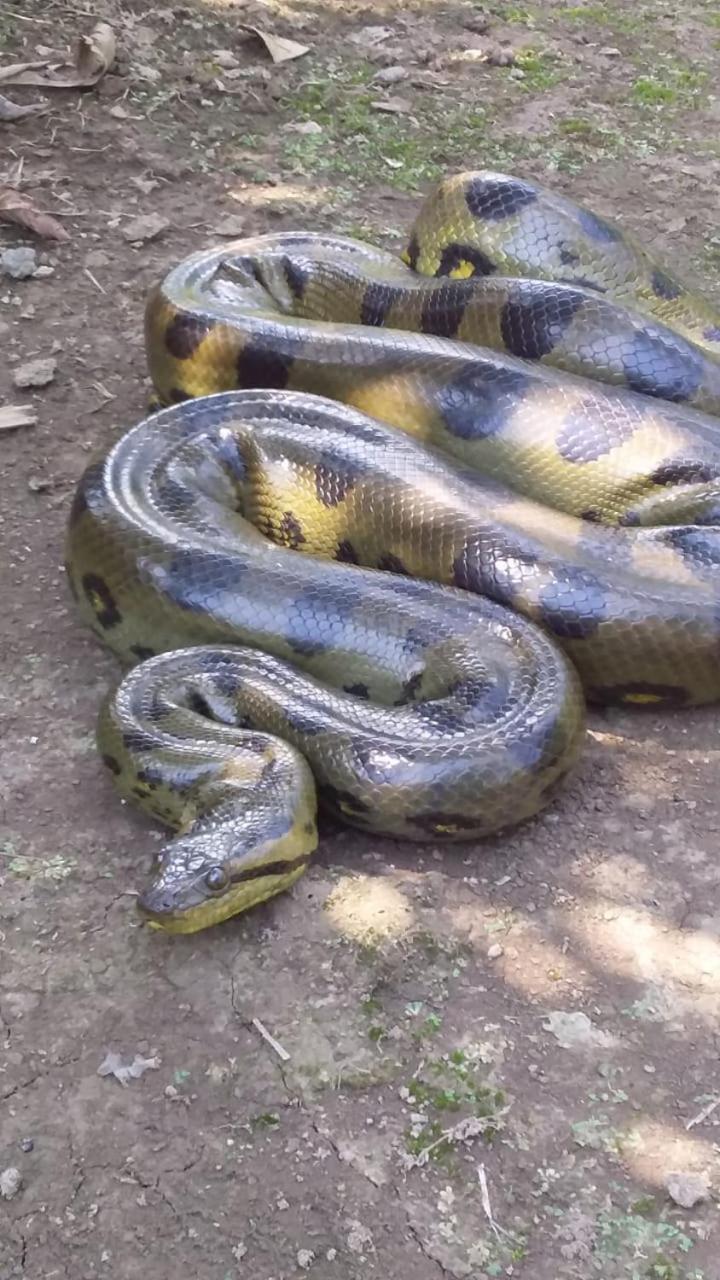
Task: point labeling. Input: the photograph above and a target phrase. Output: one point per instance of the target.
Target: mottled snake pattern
(398, 521)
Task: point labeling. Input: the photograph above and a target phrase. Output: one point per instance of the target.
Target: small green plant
(650, 91)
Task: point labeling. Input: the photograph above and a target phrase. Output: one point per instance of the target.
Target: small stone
(35, 373)
(390, 75)
(10, 1182)
(225, 58)
(575, 1030)
(307, 127)
(687, 1189)
(305, 1258)
(43, 271)
(495, 951)
(233, 225)
(239, 1250)
(146, 227)
(27, 1144)
(19, 263)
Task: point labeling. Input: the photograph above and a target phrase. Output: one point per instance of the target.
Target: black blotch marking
(139, 740)
(290, 532)
(574, 605)
(88, 492)
(592, 515)
(392, 564)
(226, 681)
(410, 688)
(412, 252)
(582, 282)
(358, 690)
(346, 553)
(495, 199)
(376, 303)
(694, 543)
(303, 721)
(111, 763)
(334, 478)
(258, 366)
(586, 435)
(459, 255)
(309, 828)
(475, 403)
(297, 277)
(499, 579)
(568, 257)
(654, 368)
(655, 696)
(435, 822)
(597, 228)
(185, 333)
(142, 652)
(663, 285)
(197, 703)
(672, 473)
(79, 505)
(319, 611)
(535, 318)
(342, 803)
(101, 600)
(176, 395)
(712, 333)
(443, 310)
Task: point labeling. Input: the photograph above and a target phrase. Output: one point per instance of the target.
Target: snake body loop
(403, 611)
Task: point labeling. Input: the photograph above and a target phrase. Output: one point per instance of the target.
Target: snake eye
(217, 879)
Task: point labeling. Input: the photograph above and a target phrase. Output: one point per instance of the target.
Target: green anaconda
(313, 601)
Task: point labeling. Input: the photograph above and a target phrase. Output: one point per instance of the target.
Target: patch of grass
(540, 69)
(650, 91)
(370, 145)
(673, 84)
(447, 1089)
(648, 1248)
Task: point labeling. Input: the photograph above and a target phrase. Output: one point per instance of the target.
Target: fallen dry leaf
(13, 111)
(13, 416)
(113, 1065)
(19, 208)
(94, 54)
(279, 47)
(394, 106)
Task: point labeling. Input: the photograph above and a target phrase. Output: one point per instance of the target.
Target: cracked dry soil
(437, 1113)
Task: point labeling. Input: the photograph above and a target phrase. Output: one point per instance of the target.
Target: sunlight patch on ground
(263, 195)
(641, 946)
(367, 909)
(651, 1150)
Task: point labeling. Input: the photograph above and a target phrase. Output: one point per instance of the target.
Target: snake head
(201, 880)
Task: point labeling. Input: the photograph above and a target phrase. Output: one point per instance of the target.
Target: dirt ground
(492, 1059)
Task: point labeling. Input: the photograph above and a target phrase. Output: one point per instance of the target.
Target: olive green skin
(420, 710)
(227, 318)
(424, 712)
(485, 223)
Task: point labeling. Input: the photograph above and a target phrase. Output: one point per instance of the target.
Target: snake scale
(392, 530)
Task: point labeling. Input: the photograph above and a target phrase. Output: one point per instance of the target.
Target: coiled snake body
(442, 697)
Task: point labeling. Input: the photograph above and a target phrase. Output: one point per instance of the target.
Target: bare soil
(493, 1058)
